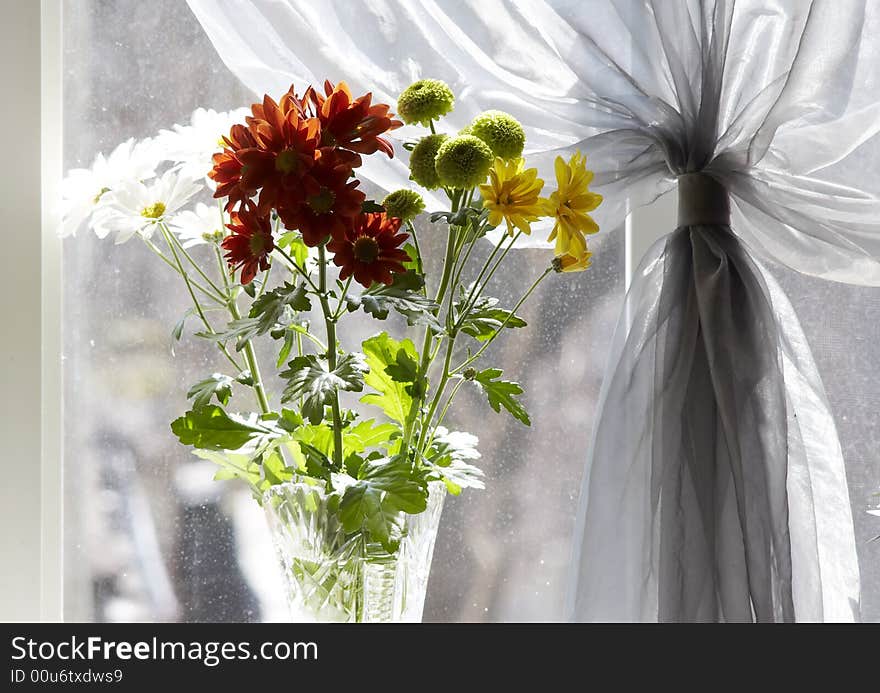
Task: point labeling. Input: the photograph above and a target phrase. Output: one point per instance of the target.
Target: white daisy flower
(202, 224)
(136, 207)
(83, 188)
(193, 145)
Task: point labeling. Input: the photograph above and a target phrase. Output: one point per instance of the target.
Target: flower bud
(404, 204)
(424, 101)
(502, 132)
(421, 161)
(463, 162)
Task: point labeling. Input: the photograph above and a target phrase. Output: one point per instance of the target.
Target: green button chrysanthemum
(424, 101)
(404, 204)
(502, 132)
(421, 161)
(463, 162)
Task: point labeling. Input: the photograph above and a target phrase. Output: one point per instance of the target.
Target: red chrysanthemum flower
(330, 201)
(370, 249)
(250, 244)
(352, 124)
(288, 102)
(284, 152)
(228, 168)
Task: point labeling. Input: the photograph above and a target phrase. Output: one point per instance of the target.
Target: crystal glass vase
(332, 575)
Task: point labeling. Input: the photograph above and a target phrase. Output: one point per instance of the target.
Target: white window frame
(31, 422)
(30, 414)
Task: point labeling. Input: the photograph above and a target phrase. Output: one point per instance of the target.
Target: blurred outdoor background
(150, 536)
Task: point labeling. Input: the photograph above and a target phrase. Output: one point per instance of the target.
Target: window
(148, 534)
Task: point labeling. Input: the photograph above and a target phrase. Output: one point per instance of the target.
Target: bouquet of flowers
(353, 498)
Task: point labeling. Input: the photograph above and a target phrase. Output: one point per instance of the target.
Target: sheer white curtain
(715, 488)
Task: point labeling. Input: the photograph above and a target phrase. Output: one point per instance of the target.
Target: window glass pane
(148, 534)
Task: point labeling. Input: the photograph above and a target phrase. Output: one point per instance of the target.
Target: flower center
(257, 245)
(154, 211)
(328, 139)
(366, 249)
(323, 201)
(287, 161)
(564, 210)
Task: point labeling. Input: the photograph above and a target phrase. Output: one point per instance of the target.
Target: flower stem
(510, 315)
(249, 354)
(198, 306)
(444, 378)
(210, 294)
(340, 306)
(294, 266)
(425, 364)
(251, 357)
(330, 323)
(176, 241)
(412, 232)
(477, 289)
(265, 280)
(467, 255)
(443, 411)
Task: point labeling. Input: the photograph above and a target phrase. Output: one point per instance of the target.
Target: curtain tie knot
(702, 200)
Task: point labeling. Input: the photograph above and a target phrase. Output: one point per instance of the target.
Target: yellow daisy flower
(572, 263)
(569, 204)
(512, 195)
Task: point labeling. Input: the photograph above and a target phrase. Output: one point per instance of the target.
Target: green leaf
(289, 420)
(501, 394)
(177, 332)
(405, 369)
(234, 466)
(367, 435)
(449, 446)
(269, 310)
(404, 489)
(289, 339)
(211, 428)
(362, 509)
(381, 351)
(275, 471)
(310, 379)
(484, 320)
(245, 378)
(318, 436)
(460, 475)
(275, 306)
(403, 295)
(297, 250)
(448, 460)
(355, 439)
(317, 464)
(412, 263)
(218, 384)
(386, 489)
(240, 330)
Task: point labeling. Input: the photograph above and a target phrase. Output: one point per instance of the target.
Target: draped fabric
(715, 487)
